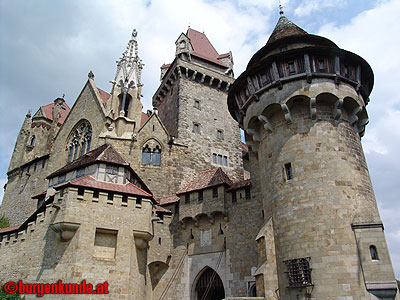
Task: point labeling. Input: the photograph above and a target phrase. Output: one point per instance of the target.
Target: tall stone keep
(302, 103)
(191, 101)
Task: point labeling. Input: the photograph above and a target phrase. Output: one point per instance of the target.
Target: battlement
(28, 231)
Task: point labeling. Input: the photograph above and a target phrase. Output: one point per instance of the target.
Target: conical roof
(285, 28)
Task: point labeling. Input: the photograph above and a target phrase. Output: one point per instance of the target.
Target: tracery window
(79, 141)
(151, 154)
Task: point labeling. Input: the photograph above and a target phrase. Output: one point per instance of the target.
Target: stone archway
(209, 286)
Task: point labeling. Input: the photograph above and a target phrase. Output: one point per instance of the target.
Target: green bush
(4, 223)
(6, 296)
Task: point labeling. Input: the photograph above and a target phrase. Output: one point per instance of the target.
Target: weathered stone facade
(303, 110)
(156, 203)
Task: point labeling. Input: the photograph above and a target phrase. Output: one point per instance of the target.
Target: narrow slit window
(197, 104)
(214, 158)
(187, 198)
(219, 134)
(291, 67)
(215, 192)
(225, 161)
(234, 199)
(200, 196)
(196, 128)
(247, 193)
(288, 171)
(220, 159)
(374, 252)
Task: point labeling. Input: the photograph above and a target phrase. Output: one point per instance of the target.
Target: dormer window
(182, 44)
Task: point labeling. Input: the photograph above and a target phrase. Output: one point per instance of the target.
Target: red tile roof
(202, 47)
(144, 119)
(206, 179)
(104, 95)
(165, 66)
(8, 229)
(105, 153)
(239, 185)
(224, 55)
(38, 124)
(162, 209)
(48, 111)
(168, 199)
(42, 194)
(90, 182)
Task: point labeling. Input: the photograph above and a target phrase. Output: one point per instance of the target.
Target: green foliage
(6, 296)
(4, 223)
(398, 284)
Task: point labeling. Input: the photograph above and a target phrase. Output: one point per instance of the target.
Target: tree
(7, 296)
(398, 284)
(4, 223)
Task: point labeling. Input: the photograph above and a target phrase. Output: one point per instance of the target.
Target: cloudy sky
(48, 47)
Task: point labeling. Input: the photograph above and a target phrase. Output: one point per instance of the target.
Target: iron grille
(298, 272)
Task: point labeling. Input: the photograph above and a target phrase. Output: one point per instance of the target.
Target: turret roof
(285, 28)
(202, 47)
(48, 112)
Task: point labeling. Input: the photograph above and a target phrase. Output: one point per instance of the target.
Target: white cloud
(307, 7)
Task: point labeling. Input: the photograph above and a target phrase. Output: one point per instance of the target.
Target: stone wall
(37, 255)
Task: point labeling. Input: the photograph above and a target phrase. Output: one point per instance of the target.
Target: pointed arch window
(156, 156)
(79, 140)
(146, 155)
(151, 156)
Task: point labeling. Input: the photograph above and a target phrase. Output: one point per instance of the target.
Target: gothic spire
(129, 66)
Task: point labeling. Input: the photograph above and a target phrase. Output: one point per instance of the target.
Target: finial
(28, 115)
(134, 33)
(91, 75)
(63, 95)
(280, 8)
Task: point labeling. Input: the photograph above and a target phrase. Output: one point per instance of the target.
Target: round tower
(301, 102)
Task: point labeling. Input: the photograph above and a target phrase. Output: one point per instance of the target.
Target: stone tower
(191, 102)
(302, 103)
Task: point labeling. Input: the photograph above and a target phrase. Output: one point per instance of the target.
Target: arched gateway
(209, 286)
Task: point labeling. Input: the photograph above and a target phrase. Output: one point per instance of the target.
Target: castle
(170, 204)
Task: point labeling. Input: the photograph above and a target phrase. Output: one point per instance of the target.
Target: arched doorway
(209, 286)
